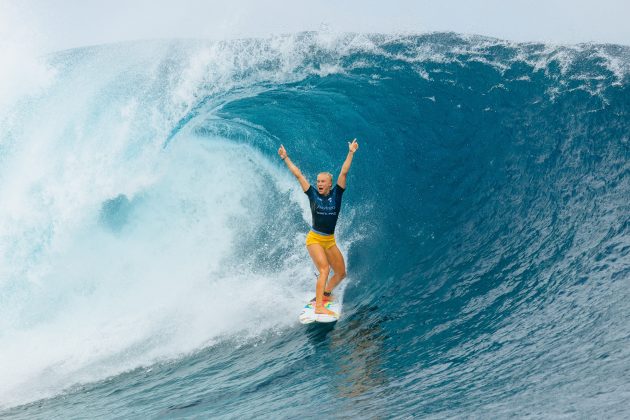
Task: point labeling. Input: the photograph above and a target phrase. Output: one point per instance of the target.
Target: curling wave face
(149, 234)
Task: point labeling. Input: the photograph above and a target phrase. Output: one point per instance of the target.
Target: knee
(342, 274)
(324, 270)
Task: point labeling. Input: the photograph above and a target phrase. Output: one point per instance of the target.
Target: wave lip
(150, 225)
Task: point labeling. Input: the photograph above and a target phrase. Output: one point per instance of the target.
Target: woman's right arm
(294, 169)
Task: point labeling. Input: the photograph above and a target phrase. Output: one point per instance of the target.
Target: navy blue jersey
(325, 209)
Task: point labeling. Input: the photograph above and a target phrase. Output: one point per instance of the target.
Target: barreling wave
(150, 236)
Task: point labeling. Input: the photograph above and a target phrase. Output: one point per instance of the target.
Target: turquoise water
(151, 242)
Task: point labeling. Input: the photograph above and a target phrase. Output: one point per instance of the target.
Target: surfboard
(309, 316)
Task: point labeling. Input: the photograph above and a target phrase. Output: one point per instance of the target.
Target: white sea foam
(159, 286)
(84, 298)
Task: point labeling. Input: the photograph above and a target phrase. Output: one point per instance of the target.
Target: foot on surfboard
(325, 299)
(331, 314)
(325, 311)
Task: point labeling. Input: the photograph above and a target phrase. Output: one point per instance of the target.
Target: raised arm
(341, 180)
(294, 169)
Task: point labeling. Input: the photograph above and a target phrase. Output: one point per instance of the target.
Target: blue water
(151, 241)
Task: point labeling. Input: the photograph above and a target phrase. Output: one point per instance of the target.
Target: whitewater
(152, 259)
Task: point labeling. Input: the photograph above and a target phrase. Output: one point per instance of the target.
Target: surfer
(320, 240)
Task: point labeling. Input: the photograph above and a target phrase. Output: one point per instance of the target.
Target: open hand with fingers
(282, 152)
(353, 146)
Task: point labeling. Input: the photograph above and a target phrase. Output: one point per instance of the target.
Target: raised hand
(282, 152)
(353, 146)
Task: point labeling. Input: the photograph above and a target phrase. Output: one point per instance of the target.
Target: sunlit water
(152, 260)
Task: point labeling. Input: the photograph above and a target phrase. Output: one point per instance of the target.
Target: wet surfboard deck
(308, 315)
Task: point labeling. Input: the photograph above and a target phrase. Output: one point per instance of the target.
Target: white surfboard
(309, 316)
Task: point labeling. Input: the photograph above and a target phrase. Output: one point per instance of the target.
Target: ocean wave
(147, 222)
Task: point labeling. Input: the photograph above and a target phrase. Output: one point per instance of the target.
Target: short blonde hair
(327, 174)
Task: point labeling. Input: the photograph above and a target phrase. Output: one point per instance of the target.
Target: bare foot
(324, 311)
(325, 299)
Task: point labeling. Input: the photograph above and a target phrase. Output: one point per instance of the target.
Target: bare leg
(335, 259)
(321, 262)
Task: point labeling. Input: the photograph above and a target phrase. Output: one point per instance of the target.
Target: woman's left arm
(345, 168)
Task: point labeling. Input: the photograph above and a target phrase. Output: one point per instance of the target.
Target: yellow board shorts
(327, 241)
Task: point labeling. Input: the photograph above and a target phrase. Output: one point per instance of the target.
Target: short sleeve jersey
(325, 209)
